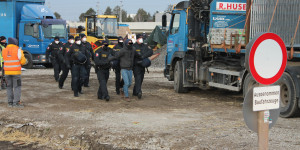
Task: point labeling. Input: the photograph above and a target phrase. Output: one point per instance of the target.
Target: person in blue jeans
(126, 56)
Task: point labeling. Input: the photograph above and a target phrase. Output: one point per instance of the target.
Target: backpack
(80, 57)
(146, 62)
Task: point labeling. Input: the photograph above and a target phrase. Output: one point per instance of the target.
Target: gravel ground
(163, 119)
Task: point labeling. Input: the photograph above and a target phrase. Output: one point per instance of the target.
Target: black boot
(139, 96)
(107, 98)
(76, 95)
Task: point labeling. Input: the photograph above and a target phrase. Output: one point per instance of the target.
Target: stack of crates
(218, 36)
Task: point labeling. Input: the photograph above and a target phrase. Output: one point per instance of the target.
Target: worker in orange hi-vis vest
(13, 60)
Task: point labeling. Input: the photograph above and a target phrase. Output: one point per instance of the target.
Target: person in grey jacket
(126, 56)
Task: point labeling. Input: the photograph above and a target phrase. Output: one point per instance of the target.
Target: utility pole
(121, 5)
(98, 8)
(49, 5)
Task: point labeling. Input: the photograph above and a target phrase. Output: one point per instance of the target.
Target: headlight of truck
(43, 58)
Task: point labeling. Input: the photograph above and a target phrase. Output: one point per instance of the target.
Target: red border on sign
(254, 73)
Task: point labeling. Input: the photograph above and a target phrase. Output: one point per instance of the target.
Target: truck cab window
(50, 31)
(29, 30)
(91, 30)
(175, 24)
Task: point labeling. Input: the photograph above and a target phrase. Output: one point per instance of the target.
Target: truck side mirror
(36, 30)
(164, 21)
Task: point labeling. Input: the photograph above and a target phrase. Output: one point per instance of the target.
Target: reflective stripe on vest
(12, 66)
(11, 59)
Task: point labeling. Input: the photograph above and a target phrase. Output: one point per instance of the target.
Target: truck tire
(178, 78)
(288, 100)
(29, 64)
(249, 83)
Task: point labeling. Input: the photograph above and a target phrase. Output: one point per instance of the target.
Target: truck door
(29, 36)
(173, 39)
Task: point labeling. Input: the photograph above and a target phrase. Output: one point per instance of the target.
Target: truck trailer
(34, 25)
(207, 42)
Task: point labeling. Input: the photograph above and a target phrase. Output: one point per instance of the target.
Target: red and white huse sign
(231, 6)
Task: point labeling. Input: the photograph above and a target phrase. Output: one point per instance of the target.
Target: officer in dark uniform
(52, 52)
(88, 47)
(78, 56)
(142, 52)
(116, 66)
(103, 65)
(63, 60)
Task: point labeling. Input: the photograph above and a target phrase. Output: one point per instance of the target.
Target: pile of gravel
(159, 62)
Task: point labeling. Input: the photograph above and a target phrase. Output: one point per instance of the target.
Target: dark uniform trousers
(56, 67)
(118, 78)
(79, 75)
(102, 75)
(139, 73)
(64, 75)
(88, 71)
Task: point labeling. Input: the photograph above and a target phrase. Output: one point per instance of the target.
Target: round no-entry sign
(266, 58)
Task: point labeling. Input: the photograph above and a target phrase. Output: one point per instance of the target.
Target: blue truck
(207, 42)
(33, 24)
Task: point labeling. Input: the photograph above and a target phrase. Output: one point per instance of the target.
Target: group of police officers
(77, 56)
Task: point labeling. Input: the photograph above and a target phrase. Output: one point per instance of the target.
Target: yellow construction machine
(102, 27)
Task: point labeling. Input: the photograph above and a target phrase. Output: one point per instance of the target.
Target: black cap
(56, 38)
(104, 43)
(77, 38)
(71, 37)
(13, 41)
(139, 36)
(2, 38)
(82, 35)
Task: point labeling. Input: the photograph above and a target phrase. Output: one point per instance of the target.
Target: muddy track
(200, 119)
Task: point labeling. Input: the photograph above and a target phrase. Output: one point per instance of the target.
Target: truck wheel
(288, 100)
(249, 83)
(29, 64)
(178, 78)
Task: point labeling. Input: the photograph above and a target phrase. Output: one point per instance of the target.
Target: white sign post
(266, 60)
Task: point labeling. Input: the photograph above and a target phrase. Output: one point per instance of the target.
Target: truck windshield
(50, 31)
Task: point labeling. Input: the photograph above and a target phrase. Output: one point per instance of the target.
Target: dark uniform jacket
(53, 49)
(89, 49)
(142, 51)
(62, 55)
(117, 49)
(72, 53)
(102, 57)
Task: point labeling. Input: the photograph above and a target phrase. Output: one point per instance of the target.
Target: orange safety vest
(11, 59)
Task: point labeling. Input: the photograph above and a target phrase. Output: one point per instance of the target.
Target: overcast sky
(71, 9)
